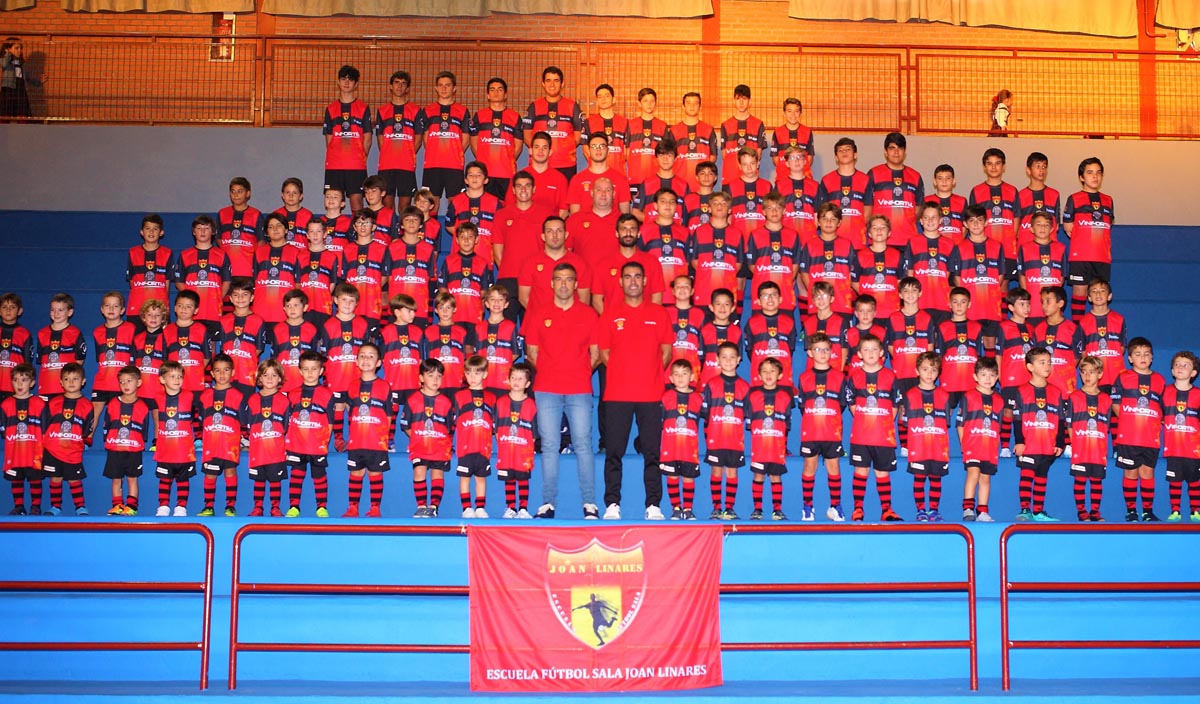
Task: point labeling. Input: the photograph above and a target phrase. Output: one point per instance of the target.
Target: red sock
(164, 492)
(1078, 306)
(295, 486)
(56, 491)
(523, 494)
(756, 492)
(1129, 487)
(18, 493)
(835, 489)
(420, 491)
(983, 508)
(935, 493)
(76, 488)
(1005, 429)
(481, 499)
(116, 499)
(35, 496)
(731, 487)
(807, 484)
(1039, 494)
(968, 504)
(777, 493)
(1193, 494)
(859, 489)
(377, 489)
(1147, 494)
(1097, 485)
(510, 495)
(132, 502)
(1025, 488)
(1079, 487)
(464, 499)
(260, 494)
(321, 491)
(673, 492)
(715, 485)
(355, 489)
(210, 490)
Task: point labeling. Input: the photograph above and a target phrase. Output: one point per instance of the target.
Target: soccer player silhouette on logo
(600, 610)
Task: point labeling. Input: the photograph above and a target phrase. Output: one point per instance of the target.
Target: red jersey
(872, 398)
(444, 128)
(466, 276)
(694, 144)
(1000, 201)
(711, 337)
(55, 349)
(1087, 419)
(821, 394)
(978, 423)
(961, 343)
(643, 137)
(850, 192)
(337, 232)
(835, 327)
(520, 233)
(297, 225)
(952, 207)
(634, 337)
(397, 128)
(896, 193)
(928, 414)
(1038, 419)
(1104, 337)
(680, 439)
(341, 340)
(669, 245)
(21, 419)
(500, 343)
(403, 350)
(774, 256)
(448, 344)
(497, 134)
(549, 191)
(718, 254)
(563, 338)
(1029, 202)
(579, 192)
(474, 424)
(190, 346)
(16, 347)
(770, 417)
(148, 274)
(878, 274)
(1091, 216)
(928, 259)
(266, 419)
(736, 134)
(149, 354)
(616, 129)
(243, 339)
(686, 323)
(480, 211)
(368, 267)
(368, 416)
(592, 236)
(114, 350)
(349, 124)
(203, 271)
(514, 435)
(239, 234)
(724, 411)
(538, 272)
(770, 336)
(1181, 422)
(1041, 266)
(980, 267)
(746, 211)
(316, 274)
(1138, 401)
(288, 342)
(644, 200)
(606, 280)
(800, 201)
(414, 272)
(563, 121)
(176, 422)
(221, 424)
(429, 423)
(1065, 344)
(854, 338)
(785, 137)
(907, 337)
(65, 424)
(310, 420)
(1016, 339)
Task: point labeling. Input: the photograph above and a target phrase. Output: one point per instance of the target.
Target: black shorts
(1095, 471)
(22, 474)
(443, 182)
(474, 466)
(336, 397)
(497, 187)
(315, 464)
(1010, 394)
(776, 469)
(953, 398)
(1130, 457)
(399, 182)
(399, 395)
(986, 468)
(429, 465)
(348, 181)
(271, 472)
(1082, 273)
(177, 471)
(725, 458)
(882, 459)
(903, 386)
(989, 328)
(123, 464)
(687, 470)
(369, 460)
(829, 449)
(317, 318)
(1040, 464)
(68, 471)
(929, 468)
(510, 475)
(1182, 469)
(216, 467)
(104, 396)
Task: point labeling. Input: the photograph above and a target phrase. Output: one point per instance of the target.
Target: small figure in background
(1001, 113)
(14, 97)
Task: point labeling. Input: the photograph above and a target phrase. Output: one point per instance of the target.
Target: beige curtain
(482, 8)
(16, 4)
(193, 6)
(1178, 14)
(1110, 18)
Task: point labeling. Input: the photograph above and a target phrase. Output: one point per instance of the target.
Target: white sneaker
(1005, 452)
(481, 513)
(469, 512)
(163, 511)
(1067, 452)
(904, 452)
(613, 512)
(524, 514)
(985, 517)
(654, 513)
(510, 512)
(834, 513)
(180, 512)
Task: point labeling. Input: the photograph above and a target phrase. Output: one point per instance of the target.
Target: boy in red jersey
(66, 426)
(243, 334)
(125, 424)
(276, 266)
(1088, 218)
(1103, 331)
(686, 321)
(319, 268)
(373, 190)
(716, 249)
(367, 265)
(58, 344)
(414, 264)
(187, 341)
(847, 186)
(792, 134)
(204, 269)
(871, 395)
(266, 416)
(498, 339)
(1039, 433)
(295, 215)
(447, 134)
(679, 454)
(151, 352)
(400, 127)
(770, 332)
(292, 337)
(828, 258)
(895, 190)
(476, 206)
(368, 404)
(497, 137)
(403, 348)
(348, 131)
(826, 322)
(820, 397)
(1015, 341)
(342, 339)
(21, 420)
(978, 423)
(961, 343)
(773, 253)
(114, 349)
(801, 194)
(465, 273)
(474, 426)
(978, 264)
(645, 134)
(928, 417)
(951, 206)
(221, 432)
(721, 327)
(309, 426)
(1037, 197)
(666, 177)
(910, 332)
(877, 267)
(1181, 430)
(427, 417)
(16, 343)
(558, 117)
(927, 258)
(516, 415)
(740, 131)
(769, 417)
(1061, 337)
(748, 191)
(338, 225)
(695, 140)
(999, 199)
(240, 228)
(1138, 403)
(1086, 413)
(665, 239)
(1041, 262)
(176, 421)
(148, 267)
(864, 323)
(615, 127)
(449, 342)
(725, 412)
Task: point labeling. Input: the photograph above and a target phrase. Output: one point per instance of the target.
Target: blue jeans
(579, 419)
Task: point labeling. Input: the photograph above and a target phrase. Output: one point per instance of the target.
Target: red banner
(594, 609)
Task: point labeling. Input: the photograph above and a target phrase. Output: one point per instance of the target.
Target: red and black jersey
(711, 337)
(1041, 266)
(288, 342)
(1000, 202)
(687, 345)
(655, 183)
(896, 193)
(1138, 402)
(800, 201)
(176, 422)
(821, 394)
(694, 144)
(784, 137)
(466, 276)
(1104, 337)
(475, 423)
(414, 272)
(444, 127)
(746, 211)
(297, 225)
(243, 339)
(833, 262)
(772, 336)
(340, 340)
(501, 343)
(563, 121)
(878, 274)
(736, 134)
(148, 273)
(368, 267)
(1087, 419)
(724, 411)
(316, 274)
(774, 255)
(498, 133)
(114, 350)
(668, 244)
(952, 207)
(718, 254)
(979, 418)
(337, 232)
(387, 225)
(961, 344)
(1016, 339)
(397, 128)
(65, 424)
(854, 337)
(1029, 202)
(239, 234)
(349, 124)
(907, 337)
(479, 211)
(1181, 422)
(1091, 216)
(980, 267)
(514, 434)
(16, 347)
(403, 348)
(850, 192)
(680, 441)
(769, 412)
(191, 347)
(616, 128)
(203, 271)
(1065, 344)
(872, 398)
(149, 354)
(448, 344)
(368, 416)
(836, 326)
(221, 424)
(266, 420)
(429, 422)
(643, 137)
(928, 260)
(1038, 419)
(55, 349)
(275, 270)
(310, 420)
(928, 412)
(21, 419)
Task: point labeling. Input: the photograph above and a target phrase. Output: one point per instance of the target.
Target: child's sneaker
(1005, 453)
(968, 515)
(17, 511)
(689, 514)
(293, 512)
(374, 512)
(1067, 452)
(322, 512)
(676, 514)
(1024, 516)
(1043, 517)
(421, 512)
(524, 514)
(481, 512)
(729, 515)
(276, 512)
(1131, 516)
(934, 516)
(1085, 517)
(510, 512)
(922, 517)
(351, 511)
(180, 512)
(256, 512)
(82, 511)
(207, 512)
(778, 516)
(1095, 516)
(119, 510)
(756, 514)
(1149, 517)
(807, 514)
(834, 513)
(715, 515)
(890, 516)
(857, 516)
(230, 512)
(468, 512)
(163, 511)
(1175, 517)
(129, 511)
(1195, 517)
(984, 517)
(433, 510)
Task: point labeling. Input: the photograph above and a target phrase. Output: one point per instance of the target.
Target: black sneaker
(1132, 516)
(545, 511)
(1149, 517)
(17, 511)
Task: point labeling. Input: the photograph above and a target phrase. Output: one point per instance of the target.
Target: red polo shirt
(592, 236)
(562, 337)
(520, 231)
(634, 336)
(538, 272)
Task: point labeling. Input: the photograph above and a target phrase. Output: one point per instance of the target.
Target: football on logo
(595, 591)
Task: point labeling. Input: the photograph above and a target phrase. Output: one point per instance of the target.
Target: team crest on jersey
(979, 257)
(681, 409)
(595, 591)
(54, 344)
(22, 414)
(871, 388)
(110, 343)
(364, 397)
(1045, 259)
(962, 337)
(1102, 331)
(1041, 402)
(620, 323)
(444, 337)
(995, 200)
(772, 331)
(828, 255)
(266, 412)
(820, 389)
(218, 405)
(294, 340)
(1091, 410)
(475, 210)
(478, 401)
(933, 252)
(1180, 406)
(897, 181)
(1143, 389)
(171, 412)
(718, 243)
(987, 409)
(183, 341)
(305, 402)
(927, 407)
(274, 261)
(410, 258)
(775, 246)
(491, 338)
(237, 224)
(514, 416)
(910, 330)
(769, 409)
(728, 397)
(879, 266)
(1049, 339)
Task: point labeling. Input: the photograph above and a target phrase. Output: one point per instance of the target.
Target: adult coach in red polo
(634, 337)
